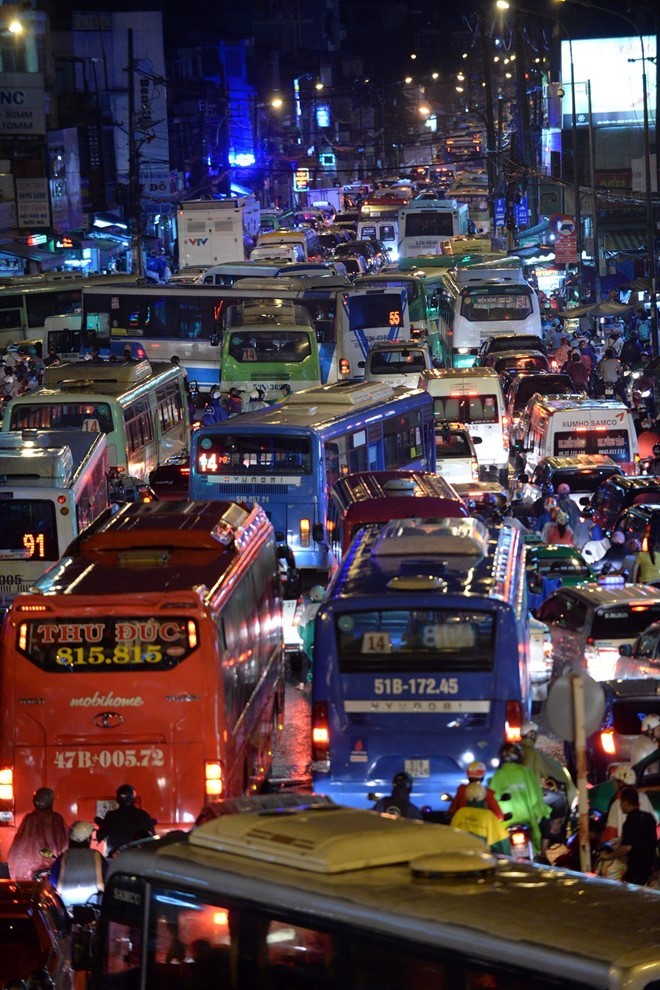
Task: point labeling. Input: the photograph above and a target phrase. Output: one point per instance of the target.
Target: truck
(212, 231)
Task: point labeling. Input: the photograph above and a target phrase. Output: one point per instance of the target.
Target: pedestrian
(519, 793)
(638, 840)
(558, 532)
(477, 818)
(567, 505)
(622, 776)
(125, 823)
(78, 874)
(306, 628)
(475, 772)
(41, 837)
(646, 568)
(398, 803)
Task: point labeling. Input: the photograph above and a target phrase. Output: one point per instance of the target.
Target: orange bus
(379, 496)
(151, 653)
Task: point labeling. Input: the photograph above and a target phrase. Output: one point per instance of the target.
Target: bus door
(371, 315)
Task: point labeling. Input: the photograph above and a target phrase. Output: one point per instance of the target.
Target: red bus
(378, 496)
(151, 653)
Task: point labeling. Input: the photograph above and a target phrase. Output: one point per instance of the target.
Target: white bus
(343, 899)
(486, 300)
(425, 225)
(143, 410)
(53, 484)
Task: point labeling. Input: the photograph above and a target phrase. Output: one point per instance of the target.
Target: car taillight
(344, 366)
(320, 732)
(213, 779)
(513, 723)
(7, 808)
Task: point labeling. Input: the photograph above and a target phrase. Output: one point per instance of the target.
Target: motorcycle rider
(608, 371)
(398, 803)
(125, 823)
(475, 771)
(476, 817)
(623, 776)
(519, 792)
(78, 874)
(638, 842)
(645, 744)
(559, 791)
(41, 837)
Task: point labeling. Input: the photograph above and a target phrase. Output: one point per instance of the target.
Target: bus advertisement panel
(421, 659)
(109, 672)
(287, 458)
(52, 485)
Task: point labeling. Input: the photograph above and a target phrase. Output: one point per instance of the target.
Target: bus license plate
(417, 768)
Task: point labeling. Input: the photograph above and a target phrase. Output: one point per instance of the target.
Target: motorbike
(520, 838)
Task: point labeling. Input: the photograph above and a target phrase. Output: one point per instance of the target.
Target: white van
(571, 426)
(282, 253)
(473, 396)
(305, 237)
(385, 230)
(397, 362)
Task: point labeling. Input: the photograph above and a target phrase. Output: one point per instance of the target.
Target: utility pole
(133, 167)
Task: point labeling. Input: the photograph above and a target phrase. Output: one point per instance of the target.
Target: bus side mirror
(214, 339)
(318, 533)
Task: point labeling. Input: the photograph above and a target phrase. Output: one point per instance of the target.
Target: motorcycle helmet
(476, 770)
(625, 775)
(81, 832)
(511, 753)
(125, 794)
(656, 449)
(596, 532)
(561, 518)
(550, 503)
(316, 593)
(43, 799)
(529, 729)
(402, 781)
(564, 489)
(649, 723)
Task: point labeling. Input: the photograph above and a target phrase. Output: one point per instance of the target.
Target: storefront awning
(45, 259)
(619, 242)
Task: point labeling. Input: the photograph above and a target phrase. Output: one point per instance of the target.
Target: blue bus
(288, 457)
(421, 659)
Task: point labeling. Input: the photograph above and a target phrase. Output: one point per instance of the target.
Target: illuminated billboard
(616, 82)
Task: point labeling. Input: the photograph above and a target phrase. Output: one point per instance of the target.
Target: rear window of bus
(466, 409)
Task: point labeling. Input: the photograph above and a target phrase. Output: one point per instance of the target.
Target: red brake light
(320, 732)
(607, 742)
(513, 722)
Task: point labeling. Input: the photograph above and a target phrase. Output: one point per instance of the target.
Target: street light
(648, 199)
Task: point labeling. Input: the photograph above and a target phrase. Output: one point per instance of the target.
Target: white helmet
(650, 722)
(475, 792)
(625, 774)
(81, 832)
(316, 593)
(529, 728)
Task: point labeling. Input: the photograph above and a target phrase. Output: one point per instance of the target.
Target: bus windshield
(243, 454)
(376, 310)
(28, 529)
(429, 223)
(94, 417)
(481, 305)
(422, 639)
(277, 346)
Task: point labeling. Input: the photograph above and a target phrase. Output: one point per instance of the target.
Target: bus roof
(293, 283)
(458, 555)
(86, 381)
(267, 314)
(314, 408)
(365, 488)
(390, 877)
(45, 458)
(197, 542)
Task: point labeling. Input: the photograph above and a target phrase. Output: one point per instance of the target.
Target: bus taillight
(214, 784)
(7, 810)
(513, 723)
(320, 732)
(607, 742)
(305, 530)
